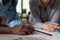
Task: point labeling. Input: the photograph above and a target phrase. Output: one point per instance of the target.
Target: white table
(40, 36)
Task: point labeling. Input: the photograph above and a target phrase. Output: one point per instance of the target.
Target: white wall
(18, 8)
(25, 5)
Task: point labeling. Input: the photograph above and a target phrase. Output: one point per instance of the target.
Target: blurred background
(22, 5)
(22, 8)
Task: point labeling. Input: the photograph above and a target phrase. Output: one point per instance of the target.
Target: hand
(30, 23)
(50, 27)
(16, 29)
(53, 25)
(24, 29)
(28, 27)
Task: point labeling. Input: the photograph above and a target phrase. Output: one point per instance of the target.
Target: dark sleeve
(14, 2)
(4, 2)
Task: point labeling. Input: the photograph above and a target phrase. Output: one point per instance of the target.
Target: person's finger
(51, 29)
(31, 30)
(53, 23)
(24, 22)
(52, 26)
(28, 30)
(31, 24)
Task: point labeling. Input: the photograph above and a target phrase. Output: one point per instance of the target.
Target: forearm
(5, 30)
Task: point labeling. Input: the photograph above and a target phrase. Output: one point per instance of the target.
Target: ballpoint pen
(44, 32)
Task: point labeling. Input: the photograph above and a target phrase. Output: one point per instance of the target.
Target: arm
(49, 26)
(25, 29)
(13, 30)
(5, 30)
(35, 10)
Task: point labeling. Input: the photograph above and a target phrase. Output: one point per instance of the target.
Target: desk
(39, 36)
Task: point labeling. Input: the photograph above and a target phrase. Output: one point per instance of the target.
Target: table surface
(37, 36)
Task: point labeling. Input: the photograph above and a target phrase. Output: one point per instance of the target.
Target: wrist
(44, 26)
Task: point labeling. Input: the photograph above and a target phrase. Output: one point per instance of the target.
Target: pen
(43, 32)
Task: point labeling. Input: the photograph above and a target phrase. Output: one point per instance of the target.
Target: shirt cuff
(14, 22)
(38, 25)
